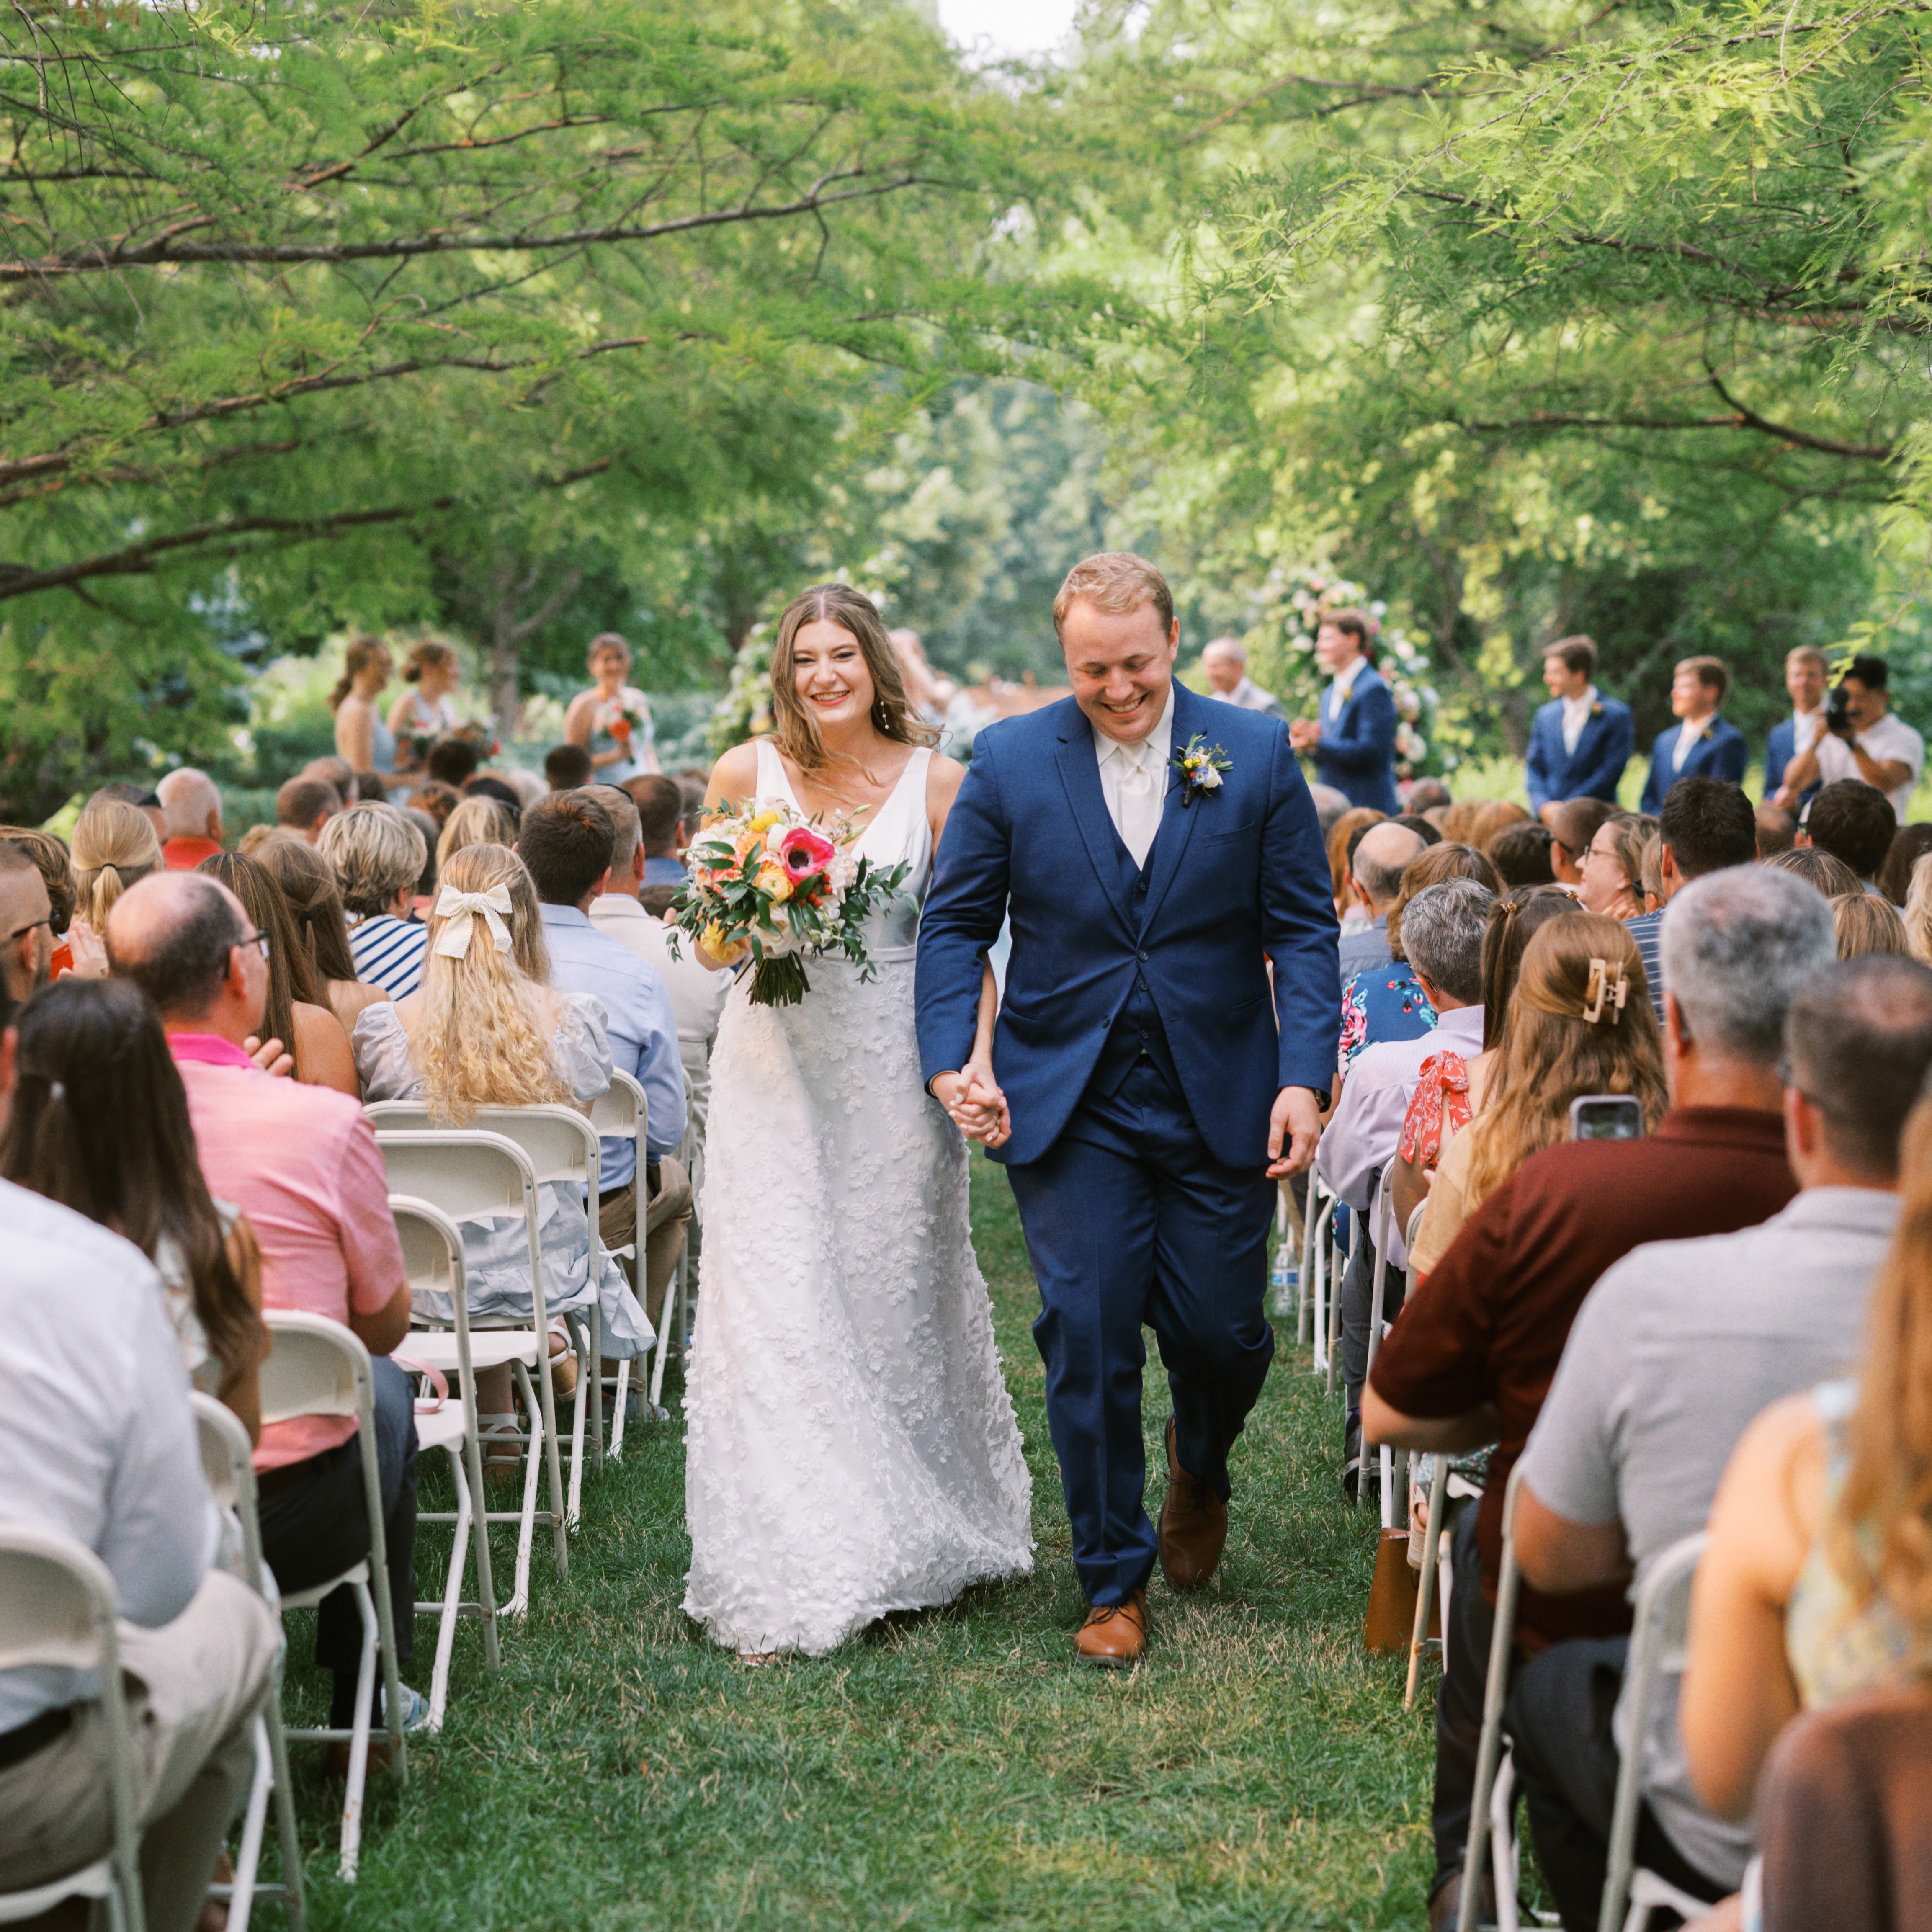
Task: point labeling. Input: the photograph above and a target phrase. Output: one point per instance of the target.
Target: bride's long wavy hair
(794, 730)
(481, 1040)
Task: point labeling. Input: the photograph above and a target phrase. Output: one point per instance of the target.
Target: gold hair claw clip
(1603, 992)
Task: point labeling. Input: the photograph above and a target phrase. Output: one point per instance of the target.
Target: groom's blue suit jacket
(1235, 880)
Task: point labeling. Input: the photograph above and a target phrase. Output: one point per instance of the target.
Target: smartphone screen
(1607, 1117)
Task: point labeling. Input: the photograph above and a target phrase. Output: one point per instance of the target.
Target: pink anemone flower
(805, 851)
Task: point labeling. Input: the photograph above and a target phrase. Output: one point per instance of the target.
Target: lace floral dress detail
(852, 1448)
(496, 1251)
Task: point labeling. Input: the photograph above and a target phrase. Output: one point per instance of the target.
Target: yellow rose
(720, 947)
(765, 821)
(772, 880)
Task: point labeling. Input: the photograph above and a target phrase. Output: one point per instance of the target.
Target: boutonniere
(1597, 709)
(1200, 765)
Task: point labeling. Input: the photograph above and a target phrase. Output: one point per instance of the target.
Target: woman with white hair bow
(485, 1030)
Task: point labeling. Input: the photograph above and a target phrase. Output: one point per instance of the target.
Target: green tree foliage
(1536, 317)
(505, 317)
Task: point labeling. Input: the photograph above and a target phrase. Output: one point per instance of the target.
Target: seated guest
(144, 800)
(1472, 1353)
(1521, 854)
(452, 761)
(1853, 822)
(314, 905)
(1573, 824)
(1870, 745)
(55, 864)
(1702, 743)
(697, 994)
(1424, 795)
(191, 806)
(1343, 836)
(1677, 1347)
(1493, 817)
(26, 924)
(487, 785)
(1710, 826)
(1330, 805)
(97, 1443)
(1610, 873)
(485, 1030)
(1421, 827)
(1224, 661)
(1375, 878)
(92, 1059)
(1918, 912)
(1390, 1004)
(1909, 843)
(1777, 832)
(1814, 1586)
(659, 802)
(333, 771)
(435, 798)
(475, 821)
(1580, 741)
(1867, 923)
(378, 855)
(305, 805)
(568, 843)
(1442, 928)
(1452, 1089)
(1806, 673)
(297, 1015)
(302, 1164)
(566, 767)
(1654, 891)
(114, 845)
(1580, 1022)
(1832, 877)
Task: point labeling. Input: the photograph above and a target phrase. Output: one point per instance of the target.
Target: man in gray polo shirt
(1678, 1347)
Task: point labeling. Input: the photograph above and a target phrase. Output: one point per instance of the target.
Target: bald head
(1380, 859)
(191, 804)
(176, 935)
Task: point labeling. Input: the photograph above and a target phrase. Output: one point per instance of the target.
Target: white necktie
(1139, 817)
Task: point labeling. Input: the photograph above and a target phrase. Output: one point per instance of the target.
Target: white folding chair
(227, 1462)
(1317, 1263)
(622, 1113)
(318, 1367)
(561, 1146)
(432, 1261)
(1658, 1638)
(1419, 1639)
(58, 1608)
(472, 1174)
(1495, 1693)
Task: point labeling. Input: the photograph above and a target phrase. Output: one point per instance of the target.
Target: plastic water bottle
(1284, 1283)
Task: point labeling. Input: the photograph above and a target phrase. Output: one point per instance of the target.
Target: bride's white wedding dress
(851, 1447)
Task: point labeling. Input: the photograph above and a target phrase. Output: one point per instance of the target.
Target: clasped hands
(976, 1103)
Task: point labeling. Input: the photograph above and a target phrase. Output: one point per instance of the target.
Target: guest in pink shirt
(302, 1163)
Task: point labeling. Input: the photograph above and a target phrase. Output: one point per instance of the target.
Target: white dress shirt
(1891, 738)
(96, 1438)
(1366, 1128)
(1133, 781)
(1576, 715)
(1345, 682)
(1688, 733)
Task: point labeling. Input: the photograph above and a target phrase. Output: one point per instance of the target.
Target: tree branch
(98, 256)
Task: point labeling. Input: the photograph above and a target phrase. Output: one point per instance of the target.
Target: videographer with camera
(1860, 739)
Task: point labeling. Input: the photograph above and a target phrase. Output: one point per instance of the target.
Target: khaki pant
(193, 1688)
(667, 1216)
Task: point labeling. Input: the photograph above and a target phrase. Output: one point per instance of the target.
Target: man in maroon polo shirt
(1471, 1357)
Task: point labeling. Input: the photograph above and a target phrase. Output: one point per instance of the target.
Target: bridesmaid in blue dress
(361, 735)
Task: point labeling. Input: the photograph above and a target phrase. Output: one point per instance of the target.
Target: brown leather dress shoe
(1113, 1634)
(1193, 1526)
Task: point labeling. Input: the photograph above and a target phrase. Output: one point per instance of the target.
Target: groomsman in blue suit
(1701, 744)
(1353, 739)
(1580, 741)
(1805, 674)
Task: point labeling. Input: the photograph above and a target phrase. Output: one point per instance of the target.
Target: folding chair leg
(285, 1809)
(1505, 1859)
(618, 1401)
(595, 1379)
(359, 1737)
(248, 1856)
(527, 1514)
(559, 1534)
(577, 1421)
(486, 1585)
(1317, 1287)
(1496, 1690)
(1425, 1590)
(449, 1611)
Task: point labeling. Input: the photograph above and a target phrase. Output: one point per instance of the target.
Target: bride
(852, 1449)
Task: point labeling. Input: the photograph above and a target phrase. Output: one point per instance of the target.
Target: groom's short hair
(1115, 581)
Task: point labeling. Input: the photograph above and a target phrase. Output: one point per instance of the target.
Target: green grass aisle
(948, 1770)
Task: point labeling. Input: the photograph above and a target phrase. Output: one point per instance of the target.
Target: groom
(1158, 1085)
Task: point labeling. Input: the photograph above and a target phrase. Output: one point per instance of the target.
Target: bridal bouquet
(771, 887)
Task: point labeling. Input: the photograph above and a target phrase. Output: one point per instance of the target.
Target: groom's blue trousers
(1128, 1220)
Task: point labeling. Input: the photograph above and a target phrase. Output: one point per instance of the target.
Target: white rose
(1208, 779)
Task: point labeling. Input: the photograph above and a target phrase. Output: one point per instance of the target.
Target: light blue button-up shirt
(644, 1029)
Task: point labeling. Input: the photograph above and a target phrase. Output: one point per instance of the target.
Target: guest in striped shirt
(379, 855)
